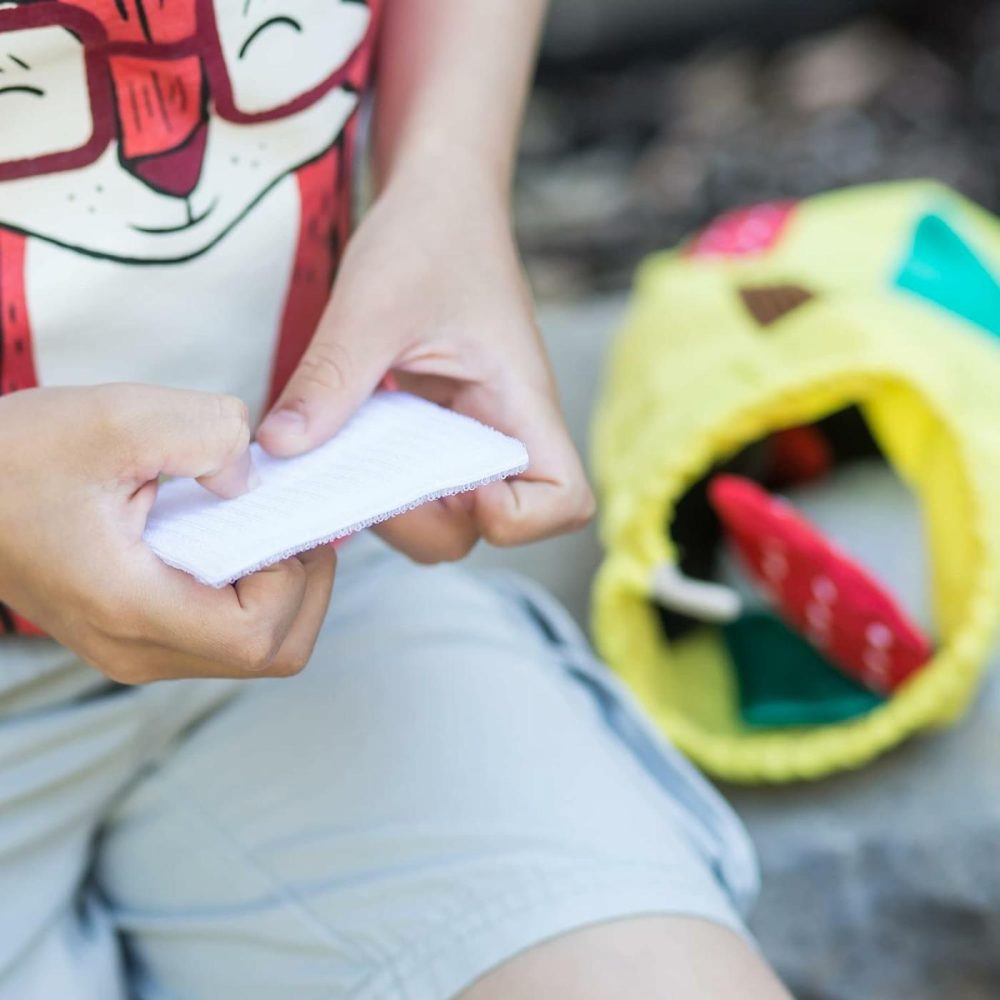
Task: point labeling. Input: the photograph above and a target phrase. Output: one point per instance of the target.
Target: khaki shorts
(453, 779)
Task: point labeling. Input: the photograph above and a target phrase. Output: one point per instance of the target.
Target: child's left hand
(431, 288)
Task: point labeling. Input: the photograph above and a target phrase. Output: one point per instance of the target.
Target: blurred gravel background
(650, 116)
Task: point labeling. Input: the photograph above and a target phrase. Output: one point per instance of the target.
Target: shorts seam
(621, 880)
(282, 891)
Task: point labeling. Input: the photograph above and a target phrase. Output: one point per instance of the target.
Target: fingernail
(284, 422)
(245, 477)
(253, 477)
(234, 480)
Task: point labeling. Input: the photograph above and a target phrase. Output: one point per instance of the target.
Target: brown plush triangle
(768, 303)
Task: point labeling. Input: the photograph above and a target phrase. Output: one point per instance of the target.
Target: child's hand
(79, 476)
(431, 288)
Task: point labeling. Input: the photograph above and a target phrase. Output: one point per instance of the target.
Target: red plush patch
(818, 589)
(798, 455)
(744, 231)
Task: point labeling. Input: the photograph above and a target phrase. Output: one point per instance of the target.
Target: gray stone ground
(883, 884)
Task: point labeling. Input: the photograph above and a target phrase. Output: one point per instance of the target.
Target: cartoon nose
(162, 120)
(175, 172)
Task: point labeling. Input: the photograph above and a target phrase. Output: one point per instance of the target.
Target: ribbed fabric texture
(397, 452)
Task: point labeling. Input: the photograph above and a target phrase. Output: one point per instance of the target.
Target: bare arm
(431, 286)
(453, 79)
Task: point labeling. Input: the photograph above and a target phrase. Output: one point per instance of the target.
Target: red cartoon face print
(147, 129)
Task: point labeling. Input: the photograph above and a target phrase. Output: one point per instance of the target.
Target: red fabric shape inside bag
(798, 455)
(818, 589)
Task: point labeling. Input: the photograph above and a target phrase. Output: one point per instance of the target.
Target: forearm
(453, 77)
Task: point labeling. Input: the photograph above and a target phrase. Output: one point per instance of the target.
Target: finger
(133, 665)
(179, 433)
(271, 601)
(552, 496)
(240, 627)
(337, 373)
(442, 531)
(294, 654)
(167, 625)
(518, 512)
(233, 480)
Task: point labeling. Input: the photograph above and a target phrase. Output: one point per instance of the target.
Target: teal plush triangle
(942, 268)
(784, 681)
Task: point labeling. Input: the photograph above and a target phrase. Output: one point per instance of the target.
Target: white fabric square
(397, 452)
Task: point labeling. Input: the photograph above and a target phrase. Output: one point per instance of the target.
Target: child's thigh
(644, 958)
(437, 791)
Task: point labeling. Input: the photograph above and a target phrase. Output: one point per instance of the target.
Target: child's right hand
(79, 473)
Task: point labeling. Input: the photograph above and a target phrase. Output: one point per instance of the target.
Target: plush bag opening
(684, 672)
(803, 552)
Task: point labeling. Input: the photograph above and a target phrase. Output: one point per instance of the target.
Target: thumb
(181, 433)
(338, 372)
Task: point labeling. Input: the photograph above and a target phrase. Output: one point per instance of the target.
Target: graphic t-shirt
(174, 187)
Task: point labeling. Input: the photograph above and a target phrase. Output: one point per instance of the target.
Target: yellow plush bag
(882, 298)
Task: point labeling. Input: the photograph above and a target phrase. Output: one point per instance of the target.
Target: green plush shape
(942, 268)
(784, 681)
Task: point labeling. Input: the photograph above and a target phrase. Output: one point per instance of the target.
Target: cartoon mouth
(192, 221)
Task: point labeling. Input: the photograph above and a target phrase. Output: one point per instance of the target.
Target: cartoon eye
(23, 89)
(18, 88)
(276, 51)
(43, 81)
(272, 22)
